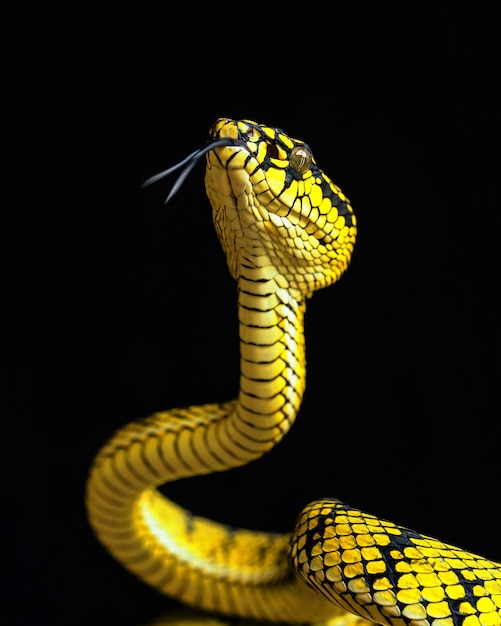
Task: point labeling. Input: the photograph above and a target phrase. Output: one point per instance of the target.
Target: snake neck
(190, 557)
(217, 437)
(272, 360)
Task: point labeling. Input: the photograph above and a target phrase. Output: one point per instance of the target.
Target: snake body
(287, 230)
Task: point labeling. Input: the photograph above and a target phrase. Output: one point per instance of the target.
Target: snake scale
(287, 230)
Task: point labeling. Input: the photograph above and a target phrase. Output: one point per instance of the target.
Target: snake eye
(300, 159)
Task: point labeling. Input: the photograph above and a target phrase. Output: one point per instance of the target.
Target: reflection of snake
(286, 230)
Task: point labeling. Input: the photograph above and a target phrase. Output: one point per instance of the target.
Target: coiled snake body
(287, 230)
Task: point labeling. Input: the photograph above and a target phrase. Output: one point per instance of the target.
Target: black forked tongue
(189, 163)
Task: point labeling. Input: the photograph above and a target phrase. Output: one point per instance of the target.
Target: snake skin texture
(286, 230)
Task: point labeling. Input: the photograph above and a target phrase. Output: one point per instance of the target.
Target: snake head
(272, 205)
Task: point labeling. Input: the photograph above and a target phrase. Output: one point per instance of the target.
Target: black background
(117, 305)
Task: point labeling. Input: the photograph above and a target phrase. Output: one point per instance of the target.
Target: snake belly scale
(287, 230)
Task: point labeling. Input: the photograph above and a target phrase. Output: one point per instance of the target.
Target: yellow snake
(287, 230)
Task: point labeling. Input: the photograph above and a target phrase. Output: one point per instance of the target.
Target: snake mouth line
(189, 162)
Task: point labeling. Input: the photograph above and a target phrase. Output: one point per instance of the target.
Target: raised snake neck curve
(286, 230)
